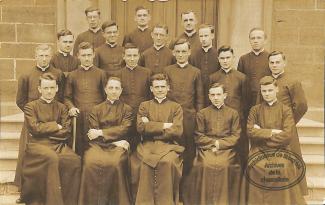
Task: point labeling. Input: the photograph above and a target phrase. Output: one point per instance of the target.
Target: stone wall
(298, 29)
(23, 25)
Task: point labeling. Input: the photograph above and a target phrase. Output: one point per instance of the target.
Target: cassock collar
(206, 49)
(190, 33)
(111, 45)
(219, 107)
(226, 71)
(158, 48)
(160, 100)
(143, 28)
(183, 65)
(86, 68)
(131, 68)
(95, 30)
(45, 100)
(43, 68)
(258, 52)
(278, 75)
(63, 53)
(271, 103)
(111, 102)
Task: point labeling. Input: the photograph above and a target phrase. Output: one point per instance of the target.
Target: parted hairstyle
(256, 29)
(225, 48)
(107, 24)
(91, 9)
(142, 8)
(274, 53)
(47, 76)
(207, 26)
(85, 45)
(159, 76)
(64, 32)
(163, 26)
(114, 78)
(268, 80)
(188, 12)
(182, 41)
(130, 46)
(218, 85)
(43, 47)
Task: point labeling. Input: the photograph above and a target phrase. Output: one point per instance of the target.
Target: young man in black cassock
(51, 170)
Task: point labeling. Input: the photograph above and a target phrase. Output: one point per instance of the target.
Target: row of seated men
(190, 68)
(152, 174)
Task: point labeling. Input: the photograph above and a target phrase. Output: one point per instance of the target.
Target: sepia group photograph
(162, 102)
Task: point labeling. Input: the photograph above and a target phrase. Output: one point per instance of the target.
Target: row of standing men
(200, 63)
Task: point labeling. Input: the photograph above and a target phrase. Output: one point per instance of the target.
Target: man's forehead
(189, 15)
(43, 52)
(159, 30)
(111, 28)
(47, 83)
(142, 11)
(215, 90)
(257, 33)
(131, 50)
(269, 86)
(113, 83)
(67, 37)
(159, 82)
(204, 30)
(86, 51)
(183, 46)
(276, 57)
(92, 13)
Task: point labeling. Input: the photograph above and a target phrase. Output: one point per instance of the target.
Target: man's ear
(225, 95)
(39, 89)
(151, 88)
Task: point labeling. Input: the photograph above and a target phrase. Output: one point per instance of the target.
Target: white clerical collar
(131, 68)
(111, 101)
(43, 68)
(206, 49)
(277, 75)
(191, 33)
(271, 103)
(86, 67)
(160, 100)
(47, 101)
(111, 45)
(258, 52)
(143, 28)
(226, 70)
(95, 30)
(182, 65)
(220, 106)
(63, 53)
(158, 47)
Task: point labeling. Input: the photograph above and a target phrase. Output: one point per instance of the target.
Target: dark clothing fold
(208, 63)
(215, 176)
(142, 39)
(51, 170)
(84, 89)
(95, 39)
(156, 166)
(109, 59)
(66, 63)
(268, 117)
(26, 92)
(187, 90)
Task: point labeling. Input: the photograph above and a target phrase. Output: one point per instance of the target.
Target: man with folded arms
(51, 170)
(215, 176)
(105, 177)
(157, 164)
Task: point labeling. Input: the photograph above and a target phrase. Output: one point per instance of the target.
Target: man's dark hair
(256, 29)
(188, 12)
(218, 85)
(91, 9)
(107, 24)
(274, 53)
(163, 26)
(225, 48)
(207, 26)
(268, 80)
(182, 41)
(114, 78)
(130, 46)
(142, 8)
(64, 32)
(159, 76)
(85, 45)
(47, 76)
